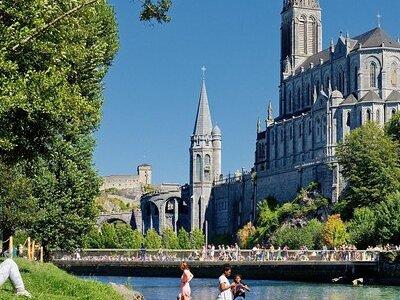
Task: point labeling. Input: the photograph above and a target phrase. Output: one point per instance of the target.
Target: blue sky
(152, 89)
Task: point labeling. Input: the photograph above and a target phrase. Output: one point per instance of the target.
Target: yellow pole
(10, 247)
(29, 248)
(41, 254)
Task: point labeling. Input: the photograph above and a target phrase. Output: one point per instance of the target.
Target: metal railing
(233, 255)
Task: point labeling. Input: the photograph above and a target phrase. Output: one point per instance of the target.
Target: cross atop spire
(379, 17)
(204, 69)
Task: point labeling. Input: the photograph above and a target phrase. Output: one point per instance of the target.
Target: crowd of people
(234, 253)
(226, 291)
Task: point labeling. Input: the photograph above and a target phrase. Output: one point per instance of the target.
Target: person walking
(225, 288)
(10, 270)
(186, 277)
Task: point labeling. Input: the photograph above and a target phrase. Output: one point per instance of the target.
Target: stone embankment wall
(372, 272)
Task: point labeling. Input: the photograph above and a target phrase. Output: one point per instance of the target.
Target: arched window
(356, 79)
(207, 160)
(372, 75)
(393, 112)
(303, 35)
(299, 98)
(394, 75)
(290, 101)
(291, 132)
(307, 97)
(318, 127)
(378, 116)
(300, 130)
(309, 127)
(199, 168)
(312, 36)
(272, 137)
(369, 115)
(348, 119)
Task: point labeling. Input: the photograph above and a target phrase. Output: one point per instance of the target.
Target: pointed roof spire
(258, 125)
(270, 115)
(203, 124)
(329, 87)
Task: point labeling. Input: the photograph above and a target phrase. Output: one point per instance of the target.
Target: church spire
(270, 114)
(203, 124)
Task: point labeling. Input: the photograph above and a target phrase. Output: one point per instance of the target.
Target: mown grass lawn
(47, 282)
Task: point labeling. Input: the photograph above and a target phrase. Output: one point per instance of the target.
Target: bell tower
(205, 160)
(301, 32)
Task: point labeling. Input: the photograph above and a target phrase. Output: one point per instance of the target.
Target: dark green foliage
(388, 219)
(169, 239)
(184, 239)
(197, 239)
(392, 128)
(157, 11)
(294, 237)
(362, 228)
(370, 164)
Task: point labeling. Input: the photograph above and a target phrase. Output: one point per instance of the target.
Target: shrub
(315, 229)
(244, 234)
(292, 237)
(184, 239)
(152, 240)
(197, 239)
(170, 239)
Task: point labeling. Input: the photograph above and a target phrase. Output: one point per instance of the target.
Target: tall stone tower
(205, 160)
(301, 32)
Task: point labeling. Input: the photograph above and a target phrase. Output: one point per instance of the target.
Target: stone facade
(324, 94)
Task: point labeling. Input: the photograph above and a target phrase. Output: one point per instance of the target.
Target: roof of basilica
(371, 96)
(351, 99)
(374, 38)
(393, 97)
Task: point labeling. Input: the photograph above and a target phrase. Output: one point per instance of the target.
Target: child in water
(239, 288)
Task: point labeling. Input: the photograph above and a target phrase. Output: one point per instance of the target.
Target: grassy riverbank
(46, 281)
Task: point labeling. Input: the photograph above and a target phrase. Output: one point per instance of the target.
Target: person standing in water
(186, 277)
(240, 288)
(225, 292)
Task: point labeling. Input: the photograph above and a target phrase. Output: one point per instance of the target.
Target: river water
(206, 289)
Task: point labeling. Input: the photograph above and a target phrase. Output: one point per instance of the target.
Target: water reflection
(206, 289)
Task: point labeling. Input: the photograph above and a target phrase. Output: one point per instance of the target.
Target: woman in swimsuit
(186, 277)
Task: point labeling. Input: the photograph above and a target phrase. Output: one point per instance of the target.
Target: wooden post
(29, 248)
(41, 254)
(10, 247)
(33, 250)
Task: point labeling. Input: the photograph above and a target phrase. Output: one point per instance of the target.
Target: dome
(216, 130)
(337, 94)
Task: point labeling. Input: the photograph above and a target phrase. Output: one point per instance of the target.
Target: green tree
(125, 236)
(392, 128)
(170, 239)
(53, 59)
(370, 164)
(315, 229)
(18, 209)
(109, 236)
(184, 239)
(152, 240)
(362, 228)
(94, 239)
(138, 239)
(388, 219)
(334, 232)
(197, 239)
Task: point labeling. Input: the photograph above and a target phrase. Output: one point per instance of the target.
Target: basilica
(323, 95)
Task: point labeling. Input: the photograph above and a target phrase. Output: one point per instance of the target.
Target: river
(206, 289)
